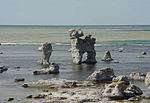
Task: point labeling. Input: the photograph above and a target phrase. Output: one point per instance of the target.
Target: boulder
(137, 76)
(115, 90)
(53, 69)
(3, 68)
(107, 57)
(121, 78)
(147, 80)
(101, 75)
(144, 53)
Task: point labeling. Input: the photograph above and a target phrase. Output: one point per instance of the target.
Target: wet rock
(137, 76)
(1, 52)
(107, 57)
(121, 49)
(56, 83)
(146, 96)
(81, 46)
(103, 74)
(115, 61)
(17, 67)
(139, 56)
(121, 78)
(29, 96)
(144, 53)
(133, 99)
(9, 99)
(115, 90)
(53, 69)
(39, 96)
(3, 68)
(19, 79)
(40, 48)
(134, 89)
(147, 80)
(46, 53)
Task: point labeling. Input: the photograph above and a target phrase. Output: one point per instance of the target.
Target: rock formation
(147, 80)
(137, 76)
(3, 68)
(107, 57)
(121, 78)
(53, 69)
(46, 53)
(81, 46)
(102, 75)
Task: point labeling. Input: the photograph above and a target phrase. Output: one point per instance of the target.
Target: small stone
(144, 53)
(115, 61)
(137, 76)
(29, 96)
(17, 67)
(10, 99)
(146, 96)
(19, 79)
(39, 96)
(1, 52)
(133, 99)
(25, 85)
(107, 57)
(121, 49)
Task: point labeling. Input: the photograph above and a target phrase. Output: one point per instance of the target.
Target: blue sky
(74, 12)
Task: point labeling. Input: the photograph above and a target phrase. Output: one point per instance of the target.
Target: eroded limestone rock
(137, 76)
(81, 46)
(46, 53)
(53, 69)
(147, 80)
(103, 74)
(107, 57)
(56, 83)
(121, 78)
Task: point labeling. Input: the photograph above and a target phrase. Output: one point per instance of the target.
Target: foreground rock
(121, 78)
(102, 75)
(121, 90)
(53, 69)
(3, 68)
(107, 57)
(147, 80)
(56, 83)
(81, 46)
(46, 53)
(138, 76)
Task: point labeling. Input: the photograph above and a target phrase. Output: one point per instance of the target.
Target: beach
(20, 44)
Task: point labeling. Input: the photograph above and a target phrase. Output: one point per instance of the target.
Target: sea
(20, 43)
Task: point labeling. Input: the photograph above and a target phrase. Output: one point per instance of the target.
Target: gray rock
(81, 46)
(115, 90)
(103, 74)
(107, 57)
(144, 53)
(136, 90)
(146, 96)
(147, 80)
(3, 68)
(56, 83)
(121, 49)
(53, 69)
(121, 78)
(9, 99)
(40, 48)
(46, 53)
(133, 99)
(137, 76)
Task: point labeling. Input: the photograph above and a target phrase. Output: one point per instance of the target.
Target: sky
(74, 12)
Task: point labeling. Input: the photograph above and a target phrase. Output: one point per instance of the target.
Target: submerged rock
(46, 53)
(121, 49)
(81, 46)
(147, 80)
(137, 76)
(103, 74)
(53, 69)
(139, 56)
(19, 79)
(107, 57)
(3, 68)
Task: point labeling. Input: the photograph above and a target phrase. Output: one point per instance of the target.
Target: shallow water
(26, 56)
